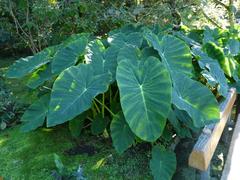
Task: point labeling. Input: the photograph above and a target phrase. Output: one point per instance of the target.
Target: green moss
(30, 156)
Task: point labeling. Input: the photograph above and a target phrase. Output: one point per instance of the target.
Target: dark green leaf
(174, 53)
(76, 124)
(121, 134)
(163, 163)
(73, 92)
(68, 55)
(35, 115)
(25, 66)
(99, 124)
(40, 76)
(196, 99)
(145, 93)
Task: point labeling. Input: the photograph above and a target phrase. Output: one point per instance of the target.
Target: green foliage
(68, 55)
(35, 115)
(145, 105)
(73, 92)
(122, 135)
(138, 84)
(76, 124)
(191, 96)
(10, 109)
(27, 65)
(163, 163)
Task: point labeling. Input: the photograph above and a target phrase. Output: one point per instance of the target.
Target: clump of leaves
(132, 84)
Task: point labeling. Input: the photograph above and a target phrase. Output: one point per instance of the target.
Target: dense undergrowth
(138, 84)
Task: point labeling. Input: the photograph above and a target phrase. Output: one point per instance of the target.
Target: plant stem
(110, 94)
(95, 104)
(210, 20)
(103, 102)
(94, 111)
(89, 118)
(115, 96)
(105, 107)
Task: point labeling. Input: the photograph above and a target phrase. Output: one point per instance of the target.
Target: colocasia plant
(131, 84)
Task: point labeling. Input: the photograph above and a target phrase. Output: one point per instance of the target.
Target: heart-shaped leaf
(76, 124)
(73, 92)
(217, 53)
(174, 53)
(25, 66)
(35, 115)
(121, 134)
(145, 92)
(103, 60)
(40, 76)
(163, 163)
(99, 124)
(196, 99)
(69, 54)
(212, 72)
(122, 39)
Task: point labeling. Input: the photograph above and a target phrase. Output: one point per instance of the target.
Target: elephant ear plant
(130, 85)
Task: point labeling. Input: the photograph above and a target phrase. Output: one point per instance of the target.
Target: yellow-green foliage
(217, 53)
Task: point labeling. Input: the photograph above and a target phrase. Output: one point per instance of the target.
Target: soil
(81, 149)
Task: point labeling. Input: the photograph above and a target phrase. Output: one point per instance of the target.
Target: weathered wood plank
(203, 150)
(231, 169)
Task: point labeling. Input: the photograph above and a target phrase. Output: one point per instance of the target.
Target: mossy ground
(30, 156)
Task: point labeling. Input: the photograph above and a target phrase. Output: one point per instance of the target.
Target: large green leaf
(76, 124)
(35, 115)
(212, 72)
(40, 76)
(163, 163)
(145, 92)
(196, 99)
(99, 124)
(128, 52)
(103, 60)
(24, 66)
(175, 54)
(69, 54)
(210, 35)
(217, 53)
(121, 134)
(234, 46)
(73, 92)
(122, 39)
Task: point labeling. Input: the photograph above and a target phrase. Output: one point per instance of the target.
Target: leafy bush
(36, 24)
(10, 110)
(137, 84)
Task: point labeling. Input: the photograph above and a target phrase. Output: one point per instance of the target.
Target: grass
(30, 156)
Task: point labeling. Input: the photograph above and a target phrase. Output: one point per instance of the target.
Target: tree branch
(210, 19)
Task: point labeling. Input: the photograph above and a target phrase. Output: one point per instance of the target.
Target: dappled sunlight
(99, 164)
(2, 141)
(53, 2)
(47, 129)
